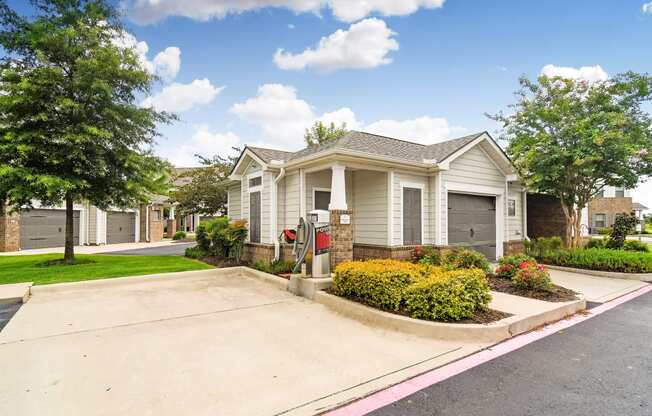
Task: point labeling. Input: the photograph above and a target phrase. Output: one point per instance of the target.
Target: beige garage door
(44, 228)
(120, 227)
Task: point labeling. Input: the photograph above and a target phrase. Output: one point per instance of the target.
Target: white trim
(228, 200)
(313, 194)
(438, 217)
(498, 193)
(445, 164)
(420, 187)
(524, 214)
(302, 193)
(390, 208)
(255, 188)
(252, 155)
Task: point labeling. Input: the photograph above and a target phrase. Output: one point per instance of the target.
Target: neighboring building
(385, 195)
(44, 227)
(602, 210)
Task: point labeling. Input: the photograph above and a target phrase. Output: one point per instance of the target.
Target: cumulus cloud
(587, 73)
(166, 64)
(177, 98)
(203, 142)
(424, 130)
(647, 8)
(283, 118)
(151, 11)
(364, 45)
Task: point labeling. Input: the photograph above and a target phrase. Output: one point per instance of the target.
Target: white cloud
(203, 142)
(166, 64)
(291, 26)
(177, 98)
(587, 73)
(364, 45)
(151, 11)
(283, 118)
(424, 130)
(647, 8)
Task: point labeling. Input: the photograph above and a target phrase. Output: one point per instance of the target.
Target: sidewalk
(107, 248)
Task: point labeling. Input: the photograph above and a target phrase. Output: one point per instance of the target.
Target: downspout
(277, 244)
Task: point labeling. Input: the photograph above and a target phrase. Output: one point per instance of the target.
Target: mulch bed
(220, 262)
(480, 317)
(555, 294)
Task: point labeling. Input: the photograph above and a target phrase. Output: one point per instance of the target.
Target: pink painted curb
(399, 391)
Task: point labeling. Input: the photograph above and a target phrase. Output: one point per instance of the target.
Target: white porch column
(171, 214)
(338, 188)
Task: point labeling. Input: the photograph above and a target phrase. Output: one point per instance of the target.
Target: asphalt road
(175, 249)
(602, 366)
(6, 312)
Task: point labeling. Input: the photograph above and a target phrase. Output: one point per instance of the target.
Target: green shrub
(179, 235)
(429, 256)
(453, 295)
(196, 252)
(279, 267)
(532, 276)
(594, 243)
(507, 265)
(603, 230)
(378, 283)
(602, 259)
(542, 246)
(635, 245)
(462, 258)
(624, 224)
(202, 237)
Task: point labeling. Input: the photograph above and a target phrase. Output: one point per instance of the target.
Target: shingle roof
(375, 145)
(638, 207)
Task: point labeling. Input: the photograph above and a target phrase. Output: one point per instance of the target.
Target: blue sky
(423, 70)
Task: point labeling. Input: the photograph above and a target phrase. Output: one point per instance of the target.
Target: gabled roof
(638, 207)
(368, 144)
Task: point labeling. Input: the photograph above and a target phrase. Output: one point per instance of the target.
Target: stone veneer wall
(368, 251)
(9, 231)
(171, 228)
(252, 252)
(341, 238)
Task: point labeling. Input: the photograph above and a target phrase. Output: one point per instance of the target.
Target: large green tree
(321, 133)
(205, 190)
(571, 138)
(70, 126)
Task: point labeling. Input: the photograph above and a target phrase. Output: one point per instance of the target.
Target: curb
(119, 281)
(643, 277)
(15, 293)
(272, 279)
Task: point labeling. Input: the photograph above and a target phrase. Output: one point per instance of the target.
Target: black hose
(305, 228)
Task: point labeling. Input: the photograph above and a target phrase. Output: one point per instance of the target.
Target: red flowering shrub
(533, 276)
(508, 265)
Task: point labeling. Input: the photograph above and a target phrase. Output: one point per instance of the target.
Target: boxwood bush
(602, 259)
(423, 291)
(452, 295)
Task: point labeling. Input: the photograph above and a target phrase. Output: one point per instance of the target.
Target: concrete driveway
(594, 288)
(202, 343)
(173, 249)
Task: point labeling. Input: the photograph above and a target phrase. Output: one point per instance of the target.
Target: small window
(620, 192)
(322, 200)
(257, 181)
(156, 215)
(511, 207)
(599, 220)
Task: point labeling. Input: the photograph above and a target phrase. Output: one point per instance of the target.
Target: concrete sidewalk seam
(369, 381)
(193, 315)
(399, 391)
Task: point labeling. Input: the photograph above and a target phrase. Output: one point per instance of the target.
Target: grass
(45, 269)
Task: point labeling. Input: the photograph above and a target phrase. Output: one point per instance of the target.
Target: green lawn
(16, 269)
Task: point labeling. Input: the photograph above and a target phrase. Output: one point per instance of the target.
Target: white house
(460, 192)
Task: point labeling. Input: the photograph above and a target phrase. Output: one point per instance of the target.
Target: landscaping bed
(553, 294)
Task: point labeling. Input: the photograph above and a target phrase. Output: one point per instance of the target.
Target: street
(602, 366)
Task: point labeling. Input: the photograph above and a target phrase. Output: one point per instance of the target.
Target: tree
(320, 133)
(70, 127)
(206, 192)
(571, 138)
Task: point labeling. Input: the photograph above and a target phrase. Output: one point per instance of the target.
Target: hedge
(453, 295)
(601, 259)
(423, 291)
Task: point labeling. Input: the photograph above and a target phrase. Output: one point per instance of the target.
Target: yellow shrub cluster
(426, 292)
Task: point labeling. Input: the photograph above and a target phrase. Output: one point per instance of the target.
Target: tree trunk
(69, 253)
(568, 228)
(577, 226)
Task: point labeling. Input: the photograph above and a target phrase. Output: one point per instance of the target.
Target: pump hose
(304, 234)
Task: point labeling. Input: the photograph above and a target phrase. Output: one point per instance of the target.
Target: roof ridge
(419, 144)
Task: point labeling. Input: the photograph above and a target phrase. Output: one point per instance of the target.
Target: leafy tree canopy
(205, 191)
(570, 138)
(320, 133)
(70, 126)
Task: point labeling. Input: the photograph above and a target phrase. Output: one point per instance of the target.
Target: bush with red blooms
(508, 265)
(532, 276)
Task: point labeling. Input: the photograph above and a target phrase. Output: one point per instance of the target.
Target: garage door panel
(120, 227)
(45, 228)
(472, 223)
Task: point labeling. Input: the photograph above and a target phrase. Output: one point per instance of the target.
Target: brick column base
(172, 228)
(9, 231)
(341, 237)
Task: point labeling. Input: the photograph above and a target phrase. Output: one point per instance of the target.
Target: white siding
(369, 191)
(292, 201)
(321, 179)
(92, 225)
(397, 209)
(266, 208)
(474, 168)
(235, 202)
(514, 225)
